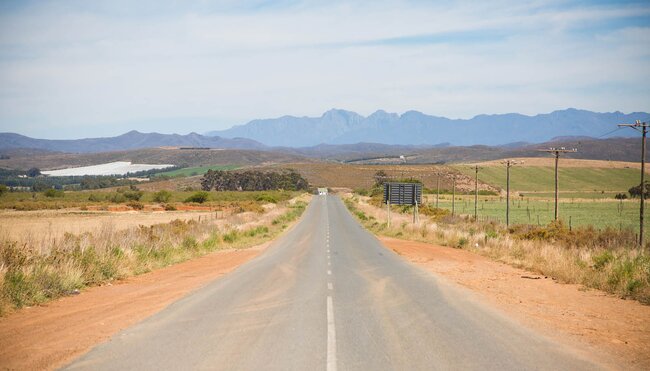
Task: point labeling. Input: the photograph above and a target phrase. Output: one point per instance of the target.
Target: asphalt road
(328, 296)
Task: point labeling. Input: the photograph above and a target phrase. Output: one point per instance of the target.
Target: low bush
(94, 198)
(264, 197)
(198, 197)
(162, 196)
(135, 205)
(51, 193)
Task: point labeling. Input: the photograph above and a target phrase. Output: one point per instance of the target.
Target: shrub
(621, 196)
(170, 207)
(133, 195)
(198, 197)
(361, 215)
(136, 205)
(601, 260)
(266, 198)
(117, 198)
(51, 193)
(231, 236)
(3, 189)
(94, 198)
(162, 196)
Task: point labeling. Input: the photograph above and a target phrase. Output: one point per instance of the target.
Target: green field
(199, 170)
(572, 179)
(525, 210)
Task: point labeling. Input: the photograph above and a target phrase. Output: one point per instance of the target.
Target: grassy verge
(29, 277)
(607, 260)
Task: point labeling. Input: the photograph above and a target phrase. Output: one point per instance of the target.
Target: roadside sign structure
(403, 194)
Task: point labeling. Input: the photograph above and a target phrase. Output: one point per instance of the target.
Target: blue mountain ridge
(338, 126)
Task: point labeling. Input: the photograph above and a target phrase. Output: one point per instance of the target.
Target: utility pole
(476, 193)
(438, 189)
(509, 164)
(453, 196)
(643, 128)
(556, 152)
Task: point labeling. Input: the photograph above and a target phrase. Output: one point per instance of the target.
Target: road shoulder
(49, 336)
(616, 331)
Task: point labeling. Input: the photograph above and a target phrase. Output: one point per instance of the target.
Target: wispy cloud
(86, 68)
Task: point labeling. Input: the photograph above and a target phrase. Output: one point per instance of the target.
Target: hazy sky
(71, 69)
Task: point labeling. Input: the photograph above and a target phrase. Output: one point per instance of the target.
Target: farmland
(532, 179)
(598, 213)
(197, 170)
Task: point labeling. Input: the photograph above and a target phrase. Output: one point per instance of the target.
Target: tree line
(253, 180)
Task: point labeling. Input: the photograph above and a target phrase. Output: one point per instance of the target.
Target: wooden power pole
(453, 196)
(509, 164)
(437, 189)
(643, 128)
(556, 152)
(476, 193)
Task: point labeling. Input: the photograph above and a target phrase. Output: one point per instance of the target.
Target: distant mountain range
(415, 128)
(131, 140)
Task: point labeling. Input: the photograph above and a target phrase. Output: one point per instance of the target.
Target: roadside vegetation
(125, 196)
(35, 273)
(606, 259)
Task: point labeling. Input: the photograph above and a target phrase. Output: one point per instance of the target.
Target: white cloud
(71, 72)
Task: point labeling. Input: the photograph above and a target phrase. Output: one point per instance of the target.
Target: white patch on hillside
(111, 168)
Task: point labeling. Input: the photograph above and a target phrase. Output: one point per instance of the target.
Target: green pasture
(542, 179)
(198, 170)
(531, 210)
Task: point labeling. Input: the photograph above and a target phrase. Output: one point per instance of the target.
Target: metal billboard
(403, 193)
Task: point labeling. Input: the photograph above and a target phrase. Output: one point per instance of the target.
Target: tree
(253, 181)
(636, 191)
(3, 189)
(33, 172)
(380, 178)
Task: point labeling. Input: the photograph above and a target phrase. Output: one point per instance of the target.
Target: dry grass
(354, 176)
(607, 261)
(33, 273)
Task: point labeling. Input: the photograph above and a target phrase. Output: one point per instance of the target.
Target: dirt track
(598, 321)
(46, 337)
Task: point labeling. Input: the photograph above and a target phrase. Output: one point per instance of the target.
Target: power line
(608, 133)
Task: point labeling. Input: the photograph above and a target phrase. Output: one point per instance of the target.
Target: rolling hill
(131, 140)
(179, 157)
